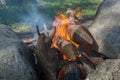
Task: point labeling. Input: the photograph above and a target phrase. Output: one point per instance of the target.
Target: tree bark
(83, 37)
(48, 59)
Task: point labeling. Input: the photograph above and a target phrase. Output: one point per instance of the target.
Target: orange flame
(61, 23)
(62, 31)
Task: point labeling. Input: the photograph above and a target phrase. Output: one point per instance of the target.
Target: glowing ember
(65, 57)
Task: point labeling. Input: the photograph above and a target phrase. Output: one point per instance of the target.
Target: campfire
(69, 39)
(63, 32)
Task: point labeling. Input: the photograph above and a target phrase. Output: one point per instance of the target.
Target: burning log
(90, 48)
(68, 50)
(67, 39)
(72, 54)
(83, 37)
(49, 61)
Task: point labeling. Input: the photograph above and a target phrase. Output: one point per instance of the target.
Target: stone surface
(106, 28)
(108, 70)
(13, 65)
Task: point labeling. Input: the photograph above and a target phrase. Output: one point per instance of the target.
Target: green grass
(12, 15)
(20, 27)
(89, 7)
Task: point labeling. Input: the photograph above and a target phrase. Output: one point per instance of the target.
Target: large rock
(108, 70)
(106, 28)
(13, 65)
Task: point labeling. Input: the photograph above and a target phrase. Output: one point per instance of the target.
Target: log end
(72, 71)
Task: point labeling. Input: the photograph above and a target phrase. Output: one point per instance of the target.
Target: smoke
(36, 17)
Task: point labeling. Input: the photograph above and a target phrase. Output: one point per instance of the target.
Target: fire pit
(62, 55)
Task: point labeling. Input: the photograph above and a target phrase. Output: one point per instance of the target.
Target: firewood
(83, 37)
(48, 58)
(72, 71)
(37, 29)
(68, 49)
(28, 41)
(90, 48)
(44, 55)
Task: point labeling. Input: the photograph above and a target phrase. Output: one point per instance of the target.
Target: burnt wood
(72, 71)
(48, 58)
(51, 66)
(83, 37)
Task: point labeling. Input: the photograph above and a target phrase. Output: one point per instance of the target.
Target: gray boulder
(13, 65)
(108, 70)
(106, 28)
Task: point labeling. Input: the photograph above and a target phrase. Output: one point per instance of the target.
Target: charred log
(49, 64)
(68, 49)
(48, 59)
(72, 71)
(83, 37)
(91, 55)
